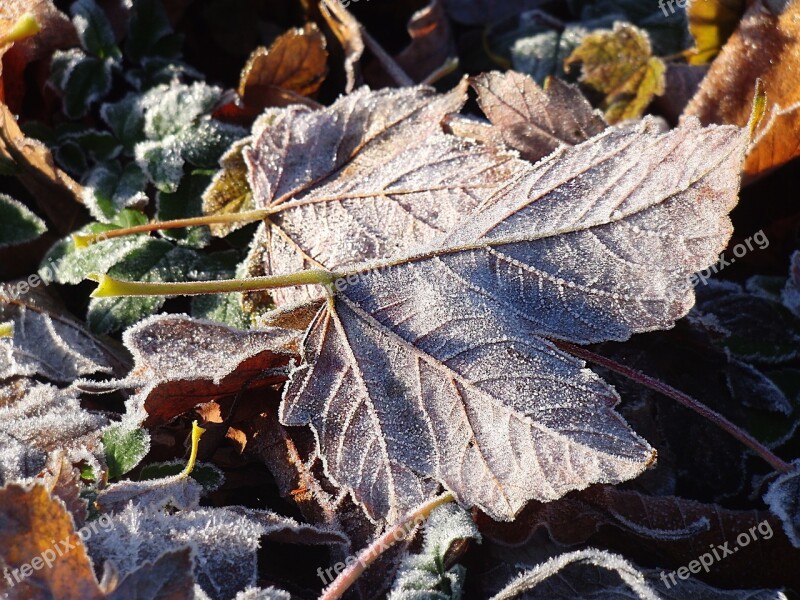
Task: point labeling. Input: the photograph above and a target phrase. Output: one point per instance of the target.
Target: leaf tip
(759, 107)
(7, 329)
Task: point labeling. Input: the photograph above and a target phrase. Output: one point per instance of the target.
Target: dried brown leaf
(534, 121)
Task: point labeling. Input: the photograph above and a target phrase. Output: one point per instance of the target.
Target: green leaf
(125, 118)
(71, 158)
(163, 162)
(204, 144)
(185, 202)
(173, 108)
(154, 261)
(124, 448)
(71, 265)
(110, 188)
(17, 223)
(149, 24)
(207, 475)
(94, 30)
(424, 575)
(81, 79)
(97, 146)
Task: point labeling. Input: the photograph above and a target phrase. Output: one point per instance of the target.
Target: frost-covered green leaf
(206, 474)
(125, 118)
(124, 448)
(163, 162)
(178, 128)
(80, 79)
(17, 223)
(94, 30)
(149, 26)
(540, 51)
(425, 575)
(96, 146)
(109, 188)
(186, 201)
(71, 265)
(170, 109)
(154, 261)
(783, 499)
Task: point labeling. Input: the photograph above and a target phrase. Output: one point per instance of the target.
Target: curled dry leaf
(619, 64)
(348, 31)
(182, 362)
(534, 121)
(37, 171)
(400, 379)
(294, 66)
(765, 46)
(667, 526)
(432, 42)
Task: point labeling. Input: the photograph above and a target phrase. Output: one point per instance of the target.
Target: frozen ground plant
(394, 307)
(445, 278)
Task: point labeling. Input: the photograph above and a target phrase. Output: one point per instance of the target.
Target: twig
(372, 552)
(683, 399)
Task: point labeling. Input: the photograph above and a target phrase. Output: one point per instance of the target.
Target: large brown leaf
(434, 367)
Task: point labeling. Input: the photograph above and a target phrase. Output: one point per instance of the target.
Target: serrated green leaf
(17, 223)
(97, 146)
(94, 30)
(81, 79)
(124, 448)
(110, 188)
(71, 158)
(125, 118)
(71, 265)
(169, 109)
(204, 144)
(424, 575)
(207, 475)
(154, 261)
(185, 202)
(162, 161)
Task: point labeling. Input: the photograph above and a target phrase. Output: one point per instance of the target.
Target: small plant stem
(7, 329)
(372, 552)
(197, 433)
(84, 240)
(24, 27)
(109, 287)
(683, 399)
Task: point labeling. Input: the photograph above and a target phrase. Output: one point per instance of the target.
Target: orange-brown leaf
(33, 528)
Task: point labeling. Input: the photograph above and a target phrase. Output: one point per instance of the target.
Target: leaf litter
(450, 261)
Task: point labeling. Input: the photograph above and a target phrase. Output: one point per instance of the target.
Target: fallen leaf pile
(401, 300)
